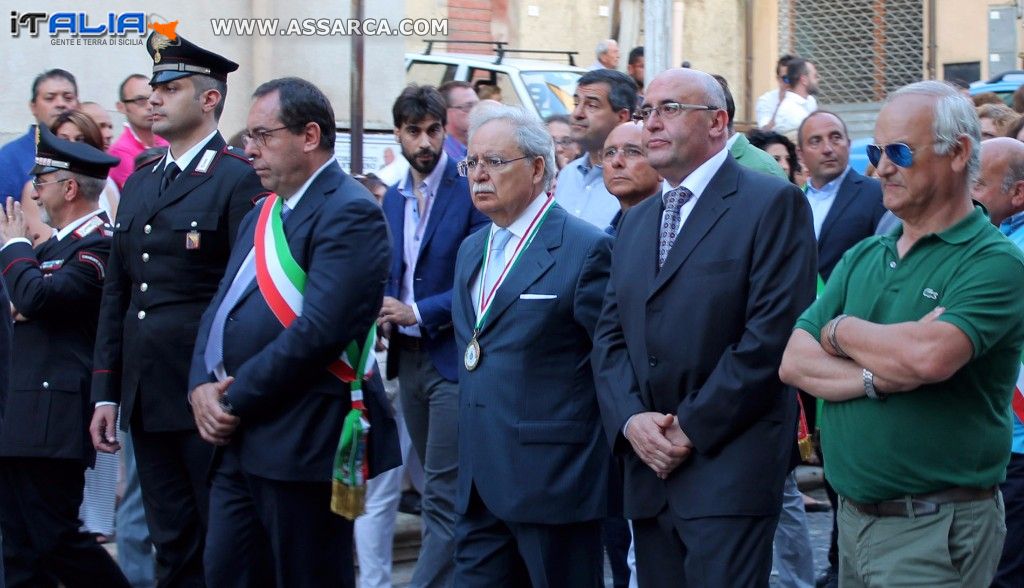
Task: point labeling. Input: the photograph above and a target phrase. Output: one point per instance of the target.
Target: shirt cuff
(416, 311)
(16, 240)
(105, 403)
(626, 426)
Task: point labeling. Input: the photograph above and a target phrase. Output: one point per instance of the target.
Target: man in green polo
(915, 346)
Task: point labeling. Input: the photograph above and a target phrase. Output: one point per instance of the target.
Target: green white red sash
(487, 298)
(1018, 394)
(282, 282)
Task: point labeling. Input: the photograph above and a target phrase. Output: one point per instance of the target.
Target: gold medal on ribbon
(472, 357)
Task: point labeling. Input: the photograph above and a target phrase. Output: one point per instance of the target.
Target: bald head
(1000, 185)
(679, 142)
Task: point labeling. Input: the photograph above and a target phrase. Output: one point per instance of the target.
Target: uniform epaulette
(236, 153)
(149, 161)
(259, 198)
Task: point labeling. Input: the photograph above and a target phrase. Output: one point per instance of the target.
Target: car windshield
(551, 91)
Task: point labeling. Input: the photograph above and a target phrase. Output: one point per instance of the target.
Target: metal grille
(863, 49)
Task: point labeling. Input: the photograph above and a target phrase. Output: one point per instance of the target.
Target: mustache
(483, 188)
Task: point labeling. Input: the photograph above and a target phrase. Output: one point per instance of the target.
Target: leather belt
(408, 343)
(922, 504)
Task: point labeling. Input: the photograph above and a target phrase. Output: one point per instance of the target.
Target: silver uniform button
(195, 224)
(46, 385)
(147, 229)
(145, 257)
(142, 314)
(144, 286)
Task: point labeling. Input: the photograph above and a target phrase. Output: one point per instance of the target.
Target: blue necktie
(496, 261)
(214, 354)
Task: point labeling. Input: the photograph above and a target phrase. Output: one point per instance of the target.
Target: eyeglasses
(627, 151)
(563, 141)
(259, 136)
(491, 163)
(900, 154)
(136, 101)
(669, 110)
(36, 183)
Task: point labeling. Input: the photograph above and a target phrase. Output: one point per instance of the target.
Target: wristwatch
(869, 386)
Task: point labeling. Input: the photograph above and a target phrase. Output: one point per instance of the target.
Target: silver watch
(869, 386)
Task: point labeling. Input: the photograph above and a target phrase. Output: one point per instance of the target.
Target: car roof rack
(500, 49)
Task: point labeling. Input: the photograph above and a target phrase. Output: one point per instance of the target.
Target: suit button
(46, 385)
(147, 229)
(142, 314)
(143, 286)
(145, 257)
(652, 361)
(194, 224)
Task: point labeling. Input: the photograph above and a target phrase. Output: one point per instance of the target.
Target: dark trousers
(490, 552)
(173, 472)
(1011, 565)
(614, 529)
(266, 533)
(707, 552)
(39, 500)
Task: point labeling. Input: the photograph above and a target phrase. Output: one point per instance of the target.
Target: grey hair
(1014, 172)
(714, 95)
(89, 188)
(955, 117)
(603, 46)
(531, 134)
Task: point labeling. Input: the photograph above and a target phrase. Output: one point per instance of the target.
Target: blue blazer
(530, 437)
(291, 407)
(453, 218)
(854, 215)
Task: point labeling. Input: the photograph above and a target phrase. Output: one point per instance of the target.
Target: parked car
(541, 86)
(1004, 85)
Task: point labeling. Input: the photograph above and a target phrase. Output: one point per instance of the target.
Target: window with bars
(863, 49)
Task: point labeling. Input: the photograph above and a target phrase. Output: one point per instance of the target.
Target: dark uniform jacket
(57, 289)
(167, 257)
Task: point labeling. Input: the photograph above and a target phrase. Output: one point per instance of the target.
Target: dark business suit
(44, 436)
(702, 339)
(156, 290)
(853, 216)
(270, 518)
(532, 464)
(427, 367)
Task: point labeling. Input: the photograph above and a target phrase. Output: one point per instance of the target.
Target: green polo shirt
(953, 433)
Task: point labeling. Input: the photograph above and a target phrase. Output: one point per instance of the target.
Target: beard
(44, 216)
(423, 168)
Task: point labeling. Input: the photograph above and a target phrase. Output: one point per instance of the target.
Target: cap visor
(38, 170)
(162, 77)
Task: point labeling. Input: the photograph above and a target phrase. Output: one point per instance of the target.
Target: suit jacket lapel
(440, 205)
(187, 180)
(470, 267)
(846, 194)
(311, 201)
(710, 206)
(533, 263)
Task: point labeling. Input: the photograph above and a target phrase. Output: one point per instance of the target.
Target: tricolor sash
(282, 282)
(1018, 393)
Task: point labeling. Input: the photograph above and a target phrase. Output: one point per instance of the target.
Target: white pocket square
(537, 296)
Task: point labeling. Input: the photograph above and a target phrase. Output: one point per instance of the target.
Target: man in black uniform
(44, 439)
(172, 237)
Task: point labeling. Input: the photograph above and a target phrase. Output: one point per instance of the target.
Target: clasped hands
(215, 424)
(659, 441)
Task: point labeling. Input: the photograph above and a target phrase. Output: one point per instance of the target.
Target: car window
(551, 91)
(501, 79)
(429, 74)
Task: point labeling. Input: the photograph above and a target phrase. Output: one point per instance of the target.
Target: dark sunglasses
(900, 154)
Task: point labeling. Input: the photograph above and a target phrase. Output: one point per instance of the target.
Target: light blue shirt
(412, 236)
(1013, 228)
(581, 191)
(821, 200)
